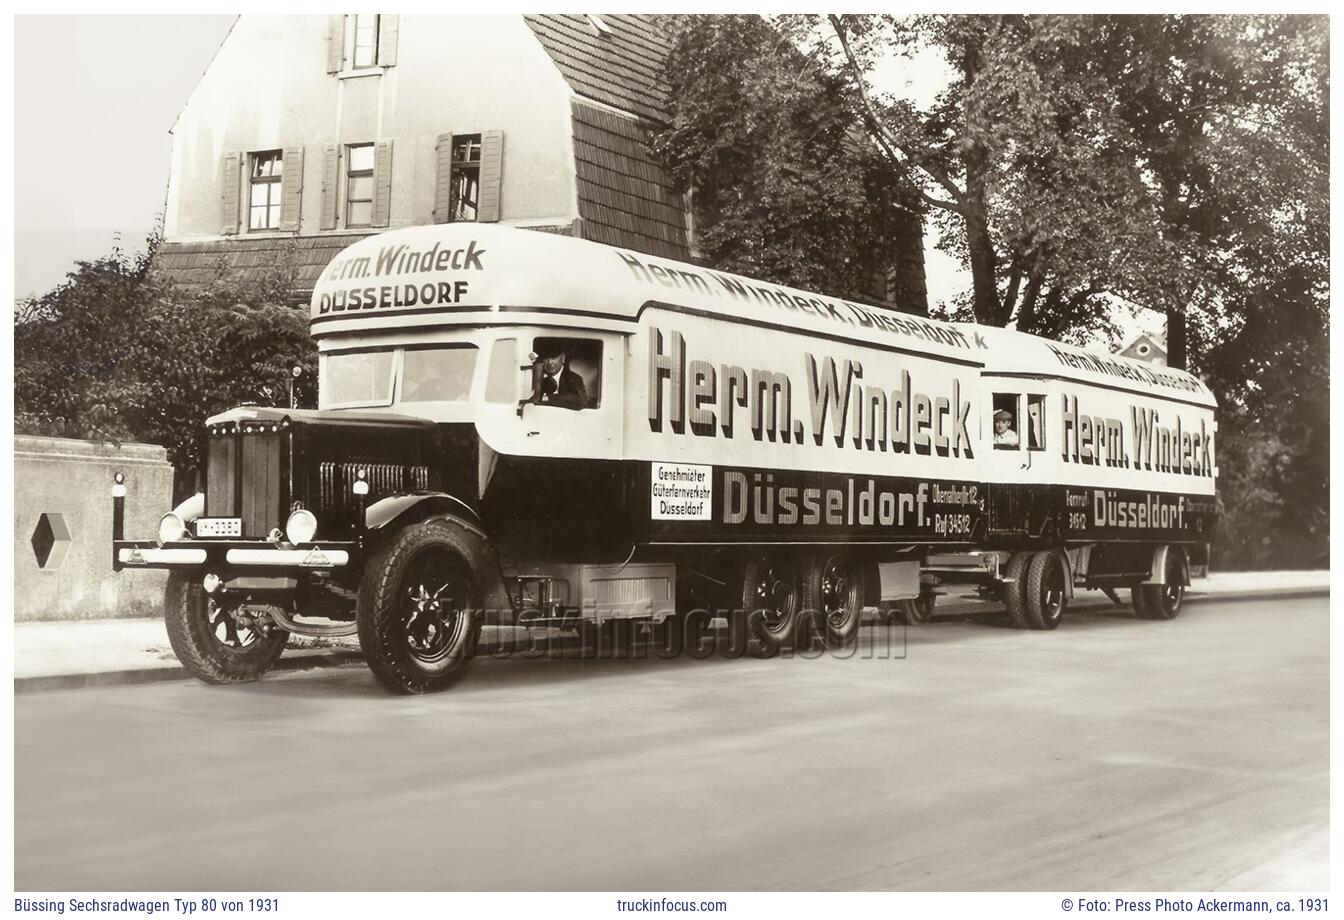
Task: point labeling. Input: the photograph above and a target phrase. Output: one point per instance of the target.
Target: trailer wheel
(835, 592)
(1161, 602)
(419, 609)
(917, 611)
(210, 641)
(1136, 600)
(772, 600)
(1046, 593)
(1015, 590)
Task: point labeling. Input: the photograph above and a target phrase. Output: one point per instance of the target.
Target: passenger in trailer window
(554, 384)
(1004, 433)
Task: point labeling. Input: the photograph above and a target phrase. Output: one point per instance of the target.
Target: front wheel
(217, 643)
(419, 609)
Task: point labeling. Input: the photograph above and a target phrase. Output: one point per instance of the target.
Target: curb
(302, 660)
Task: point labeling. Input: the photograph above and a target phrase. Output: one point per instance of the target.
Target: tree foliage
(115, 354)
(783, 186)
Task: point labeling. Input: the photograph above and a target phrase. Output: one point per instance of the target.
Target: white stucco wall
(268, 88)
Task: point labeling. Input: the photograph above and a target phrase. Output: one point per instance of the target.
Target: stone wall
(63, 527)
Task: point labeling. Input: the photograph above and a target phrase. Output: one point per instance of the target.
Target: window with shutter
(359, 160)
(264, 172)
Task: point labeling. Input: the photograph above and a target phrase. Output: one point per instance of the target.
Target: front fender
(393, 511)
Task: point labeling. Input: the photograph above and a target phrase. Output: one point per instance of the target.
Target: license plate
(219, 527)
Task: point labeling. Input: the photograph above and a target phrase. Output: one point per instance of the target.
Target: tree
(114, 354)
(783, 185)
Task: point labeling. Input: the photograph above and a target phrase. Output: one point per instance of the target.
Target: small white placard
(681, 492)
(219, 527)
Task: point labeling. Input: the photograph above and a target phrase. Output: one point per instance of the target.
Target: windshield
(441, 374)
(358, 378)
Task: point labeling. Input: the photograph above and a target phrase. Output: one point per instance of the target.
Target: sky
(92, 114)
(94, 99)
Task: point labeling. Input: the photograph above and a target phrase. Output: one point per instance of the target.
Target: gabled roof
(620, 66)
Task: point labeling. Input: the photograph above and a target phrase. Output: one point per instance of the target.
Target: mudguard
(1158, 574)
(395, 511)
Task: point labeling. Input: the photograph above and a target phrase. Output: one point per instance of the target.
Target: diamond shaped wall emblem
(51, 540)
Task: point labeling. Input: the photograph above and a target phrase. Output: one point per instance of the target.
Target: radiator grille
(243, 480)
(335, 479)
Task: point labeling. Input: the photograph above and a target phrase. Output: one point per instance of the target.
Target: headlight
(301, 526)
(171, 528)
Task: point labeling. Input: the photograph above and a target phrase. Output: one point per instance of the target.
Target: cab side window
(1007, 421)
(567, 372)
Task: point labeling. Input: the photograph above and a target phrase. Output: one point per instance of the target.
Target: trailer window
(1006, 421)
(440, 373)
(1035, 422)
(567, 372)
(358, 378)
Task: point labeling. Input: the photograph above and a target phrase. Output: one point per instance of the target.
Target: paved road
(1109, 754)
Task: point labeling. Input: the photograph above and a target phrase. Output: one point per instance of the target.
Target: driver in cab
(556, 384)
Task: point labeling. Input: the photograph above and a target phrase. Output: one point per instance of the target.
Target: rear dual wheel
(1037, 593)
(1161, 602)
(772, 603)
(834, 591)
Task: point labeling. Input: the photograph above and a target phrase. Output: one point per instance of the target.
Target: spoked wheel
(1161, 602)
(218, 644)
(772, 600)
(419, 609)
(835, 592)
(1046, 590)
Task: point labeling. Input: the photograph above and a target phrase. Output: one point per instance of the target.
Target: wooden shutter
(443, 177)
(388, 26)
(331, 179)
(291, 188)
(231, 194)
(382, 183)
(492, 165)
(335, 43)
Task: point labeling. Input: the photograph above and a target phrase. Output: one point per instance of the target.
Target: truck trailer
(526, 429)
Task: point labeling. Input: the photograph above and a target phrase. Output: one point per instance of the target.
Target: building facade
(308, 132)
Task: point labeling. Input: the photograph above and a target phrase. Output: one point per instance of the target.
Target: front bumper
(232, 556)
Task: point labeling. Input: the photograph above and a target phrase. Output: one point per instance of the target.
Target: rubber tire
(793, 629)
(377, 610)
(917, 611)
(1136, 599)
(1039, 614)
(186, 615)
(1015, 592)
(846, 631)
(1151, 601)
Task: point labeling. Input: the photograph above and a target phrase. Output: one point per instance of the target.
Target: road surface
(1111, 754)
